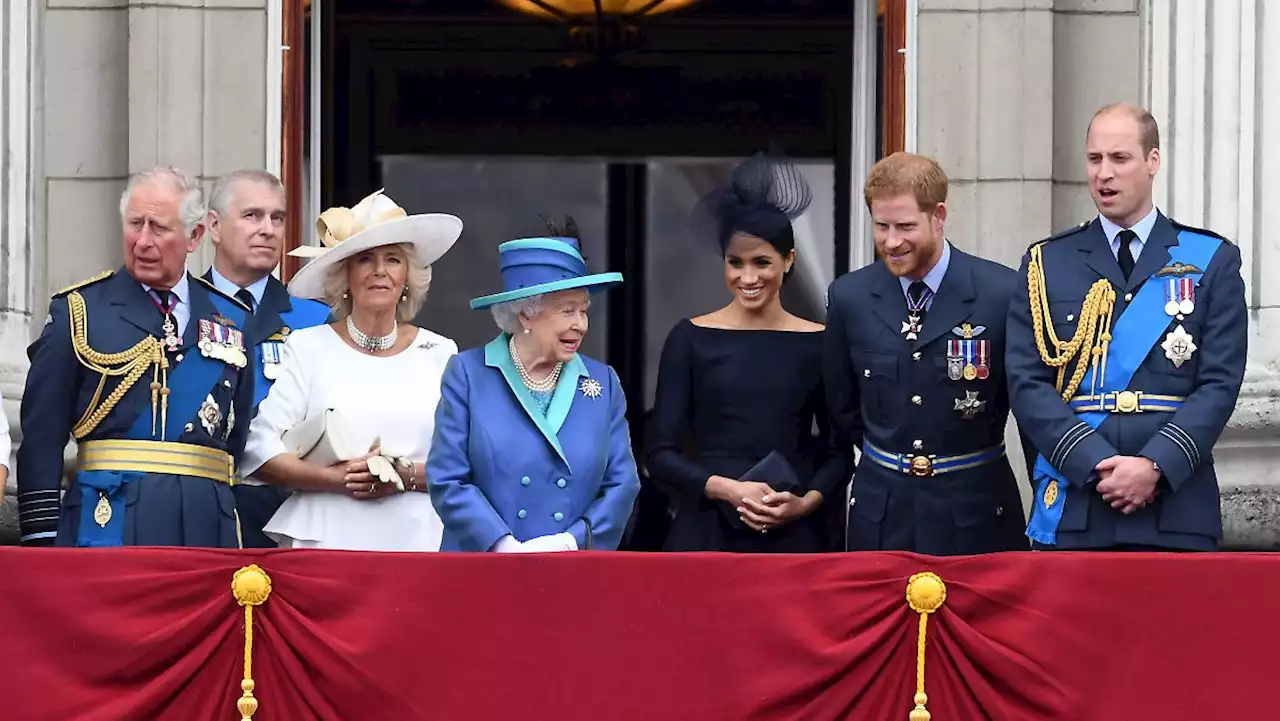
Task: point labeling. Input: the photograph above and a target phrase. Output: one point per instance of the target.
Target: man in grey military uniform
(1126, 352)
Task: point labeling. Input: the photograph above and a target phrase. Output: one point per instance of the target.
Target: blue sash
(1133, 335)
(189, 384)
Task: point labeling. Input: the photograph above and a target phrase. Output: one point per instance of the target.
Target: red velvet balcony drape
(98, 635)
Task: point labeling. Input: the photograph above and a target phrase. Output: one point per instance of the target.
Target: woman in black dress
(739, 396)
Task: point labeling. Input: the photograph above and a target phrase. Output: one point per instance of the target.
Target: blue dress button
(558, 516)
(525, 481)
(522, 513)
(560, 483)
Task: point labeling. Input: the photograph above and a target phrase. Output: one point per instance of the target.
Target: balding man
(146, 368)
(1125, 354)
(246, 227)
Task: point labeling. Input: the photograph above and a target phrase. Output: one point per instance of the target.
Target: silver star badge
(1178, 346)
(591, 388)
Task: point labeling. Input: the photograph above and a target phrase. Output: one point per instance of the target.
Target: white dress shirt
(1142, 229)
(182, 311)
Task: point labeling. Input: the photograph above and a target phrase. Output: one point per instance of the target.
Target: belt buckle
(921, 466)
(1128, 402)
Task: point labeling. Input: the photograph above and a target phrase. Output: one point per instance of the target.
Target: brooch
(591, 388)
(1178, 346)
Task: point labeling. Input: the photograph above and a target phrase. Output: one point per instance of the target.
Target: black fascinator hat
(764, 194)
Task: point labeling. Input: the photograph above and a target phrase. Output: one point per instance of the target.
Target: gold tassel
(925, 594)
(251, 587)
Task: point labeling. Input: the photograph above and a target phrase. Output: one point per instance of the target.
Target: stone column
(1217, 99)
(197, 89)
(15, 204)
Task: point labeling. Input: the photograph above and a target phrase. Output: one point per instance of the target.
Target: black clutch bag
(775, 470)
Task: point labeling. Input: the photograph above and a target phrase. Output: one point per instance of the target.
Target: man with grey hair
(246, 225)
(146, 368)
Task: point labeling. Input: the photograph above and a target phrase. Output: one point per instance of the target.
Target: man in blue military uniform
(146, 368)
(914, 371)
(246, 226)
(1126, 351)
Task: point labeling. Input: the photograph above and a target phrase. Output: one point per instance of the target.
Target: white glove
(549, 544)
(507, 544)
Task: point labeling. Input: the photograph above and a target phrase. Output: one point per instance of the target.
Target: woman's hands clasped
(759, 506)
(354, 477)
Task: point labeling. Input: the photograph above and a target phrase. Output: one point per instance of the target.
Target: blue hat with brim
(534, 266)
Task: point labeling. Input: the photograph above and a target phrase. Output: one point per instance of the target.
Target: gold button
(1128, 297)
(917, 400)
(1070, 317)
(917, 444)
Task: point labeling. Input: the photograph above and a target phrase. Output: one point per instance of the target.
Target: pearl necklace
(542, 386)
(371, 343)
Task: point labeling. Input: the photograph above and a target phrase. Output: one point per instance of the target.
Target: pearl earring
(346, 295)
(526, 331)
(404, 295)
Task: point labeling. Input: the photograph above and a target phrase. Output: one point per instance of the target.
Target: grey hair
(507, 315)
(191, 210)
(337, 289)
(220, 195)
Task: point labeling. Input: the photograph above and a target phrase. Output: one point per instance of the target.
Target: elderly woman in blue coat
(531, 451)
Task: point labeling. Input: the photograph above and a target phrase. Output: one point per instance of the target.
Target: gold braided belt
(183, 459)
(1088, 346)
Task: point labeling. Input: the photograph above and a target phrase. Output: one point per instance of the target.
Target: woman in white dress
(377, 371)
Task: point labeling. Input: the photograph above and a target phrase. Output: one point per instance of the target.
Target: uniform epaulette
(239, 303)
(1061, 234)
(86, 282)
(1203, 231)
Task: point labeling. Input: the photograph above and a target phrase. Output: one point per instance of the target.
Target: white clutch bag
(325, 439)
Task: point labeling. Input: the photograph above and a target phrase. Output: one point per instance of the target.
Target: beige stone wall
(128, 84)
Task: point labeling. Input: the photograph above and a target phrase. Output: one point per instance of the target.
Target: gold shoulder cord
(1093, 332)
(131, 364)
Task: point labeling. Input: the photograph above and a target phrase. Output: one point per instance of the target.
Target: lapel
(1101, 259)
(1155, 252)
(134, 304)
(266, 321)
(497, 355)
(953, 302)
(888, 302)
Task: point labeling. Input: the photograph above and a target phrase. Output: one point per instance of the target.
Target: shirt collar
(181, 291)
(933, 279)
(1142, 228)
(256, 289)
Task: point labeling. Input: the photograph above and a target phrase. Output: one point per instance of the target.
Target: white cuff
(506, 544)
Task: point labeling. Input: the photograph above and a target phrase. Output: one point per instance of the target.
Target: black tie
(1125, 253)
(244, 296)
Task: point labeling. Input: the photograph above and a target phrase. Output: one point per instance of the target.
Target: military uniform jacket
(1184, 407)
(902, 397)
(158, 509)
(499, 465)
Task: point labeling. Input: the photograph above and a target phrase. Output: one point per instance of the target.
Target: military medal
(969, 406)
(102, 511)
(955, 361)
(970, 370)
(271, 360)
(911, 326)
(1178, 346)
(983, 371)
(1180, 294)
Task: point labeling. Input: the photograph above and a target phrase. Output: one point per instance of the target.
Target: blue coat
(897, 396)
(498, 466)
(1177, 432)
(267, 329)
(148, 508)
